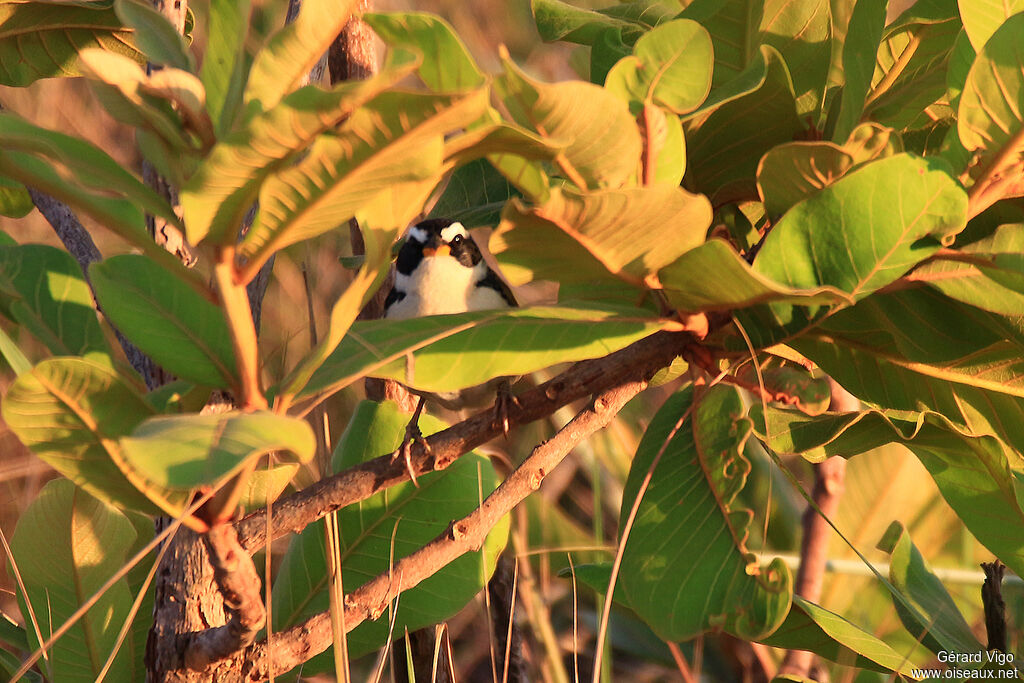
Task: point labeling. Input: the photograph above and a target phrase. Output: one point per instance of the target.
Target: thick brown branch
(239, 583)
(370, 600)
(995, 606)
(294, 512)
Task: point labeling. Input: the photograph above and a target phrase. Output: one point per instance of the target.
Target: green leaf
(977, 475)
(571, 115)
(991, 105)
(170, 322)
(11, 353)
(862, 39)
(982, 18)
(447, 65)
(671, 67)
(70, 412)
(604, 224)
(170, 456)
(988, 274)
(386, 527)
(475, 195)
(727, 136)
(489, 343)
(793, 171)
(396, 138)
(267, 484)
(226, 62)
(155, 35)
(223, 188)
(942, 628)
(43, 39)
(291, 52)
(960, 61)
(812, 627)
(15, 201)
(51, 298)
(67, 545)
(860, 234)
(557, 20)
(686, 568)
(693, 282)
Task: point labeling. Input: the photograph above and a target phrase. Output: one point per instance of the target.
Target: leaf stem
(235, 302)
(987, 190)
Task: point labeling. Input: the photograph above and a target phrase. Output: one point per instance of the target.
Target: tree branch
(295, 512)
(369, 601)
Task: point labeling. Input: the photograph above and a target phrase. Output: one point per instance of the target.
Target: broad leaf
(594, 127)
(155, 35)
(812, 627)
(291, 52)
(693, 282)
(170, 322)
(223, 188)
(991, 105)
(70, 412)
(43, 39)
(935, 619)
(490, 344)
(671, 67)
(605, 224)
(862, 39)
(727, 136)
(978, 476)
(475, 195)
(67, 544)
(394, 139)
(226, 62)
(982, 18)
(169, 457)
(44, 290)
(447, 65)
(378, 531)
(558, 20)
(801, 32)
(686, 568)
(15, 201)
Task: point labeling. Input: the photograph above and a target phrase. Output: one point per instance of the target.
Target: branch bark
(293, 513)
(369, 601)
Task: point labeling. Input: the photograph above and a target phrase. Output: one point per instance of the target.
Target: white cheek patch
(449, 233)
(418, 234)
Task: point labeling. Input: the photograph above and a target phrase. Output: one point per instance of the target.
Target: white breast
(443, 285)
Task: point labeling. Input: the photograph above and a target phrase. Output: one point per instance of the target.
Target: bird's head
(437, 238)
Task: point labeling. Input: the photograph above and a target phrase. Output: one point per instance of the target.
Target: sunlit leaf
(15, 201)
(43, 39)
(226, 63)
(67, 544)
(70, 412)
(170, 322)
(686, 568)
(447, 65)
(862, 38)
(982, 18)
(991, 105)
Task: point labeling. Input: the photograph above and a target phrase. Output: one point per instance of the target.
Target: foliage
(800, 220)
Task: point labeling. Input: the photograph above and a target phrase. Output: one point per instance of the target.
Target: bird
(440, 270)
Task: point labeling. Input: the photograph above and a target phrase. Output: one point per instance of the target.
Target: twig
(293, 513)
(239, 583)
(995, 606)
(829, 483)
(369, 601)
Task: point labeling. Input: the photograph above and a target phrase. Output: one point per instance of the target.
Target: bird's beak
(440, 250)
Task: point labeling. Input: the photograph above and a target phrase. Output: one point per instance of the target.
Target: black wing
(492, 280)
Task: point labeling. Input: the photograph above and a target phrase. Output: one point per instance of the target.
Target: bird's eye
(457, 239)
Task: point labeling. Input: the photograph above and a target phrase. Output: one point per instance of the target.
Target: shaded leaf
(727, 136)
(50, 297)
(267, 484)
(593, 126)
(475, 195)
(70, 412)
(168, 457)
(686, 568)
(226, 62)
(67, 544)
(671, 67)
(170, 322)
(489, 343)
(43, 39)
(155, 35)
(557, 20)
(15, 201)
(862, 39)
(387, 527)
